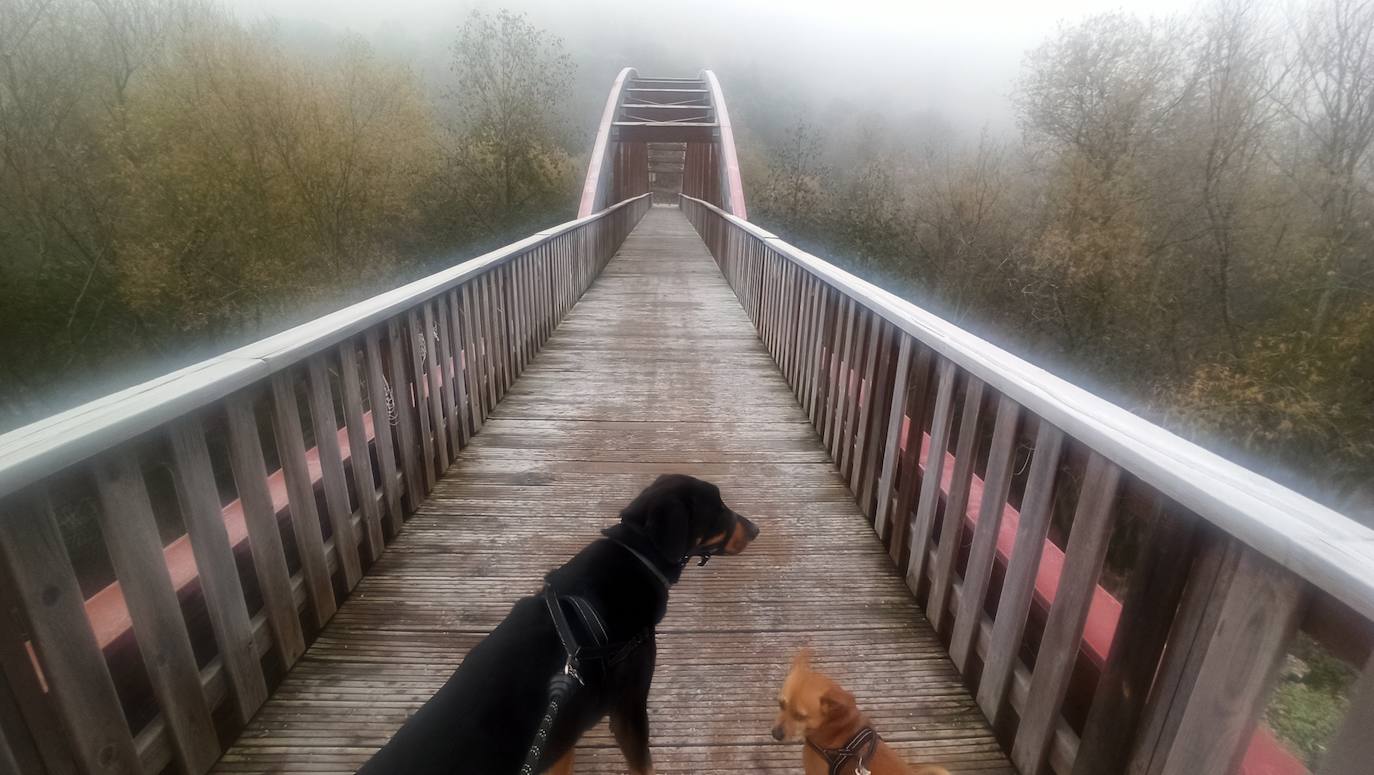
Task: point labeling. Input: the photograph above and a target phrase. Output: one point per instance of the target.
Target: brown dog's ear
(835, 701)
(801, 661)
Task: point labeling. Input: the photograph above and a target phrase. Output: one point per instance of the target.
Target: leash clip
(570, 670)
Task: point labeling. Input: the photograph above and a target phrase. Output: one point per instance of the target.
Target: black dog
(613, 593)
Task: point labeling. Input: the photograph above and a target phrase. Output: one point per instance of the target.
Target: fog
(929, 62)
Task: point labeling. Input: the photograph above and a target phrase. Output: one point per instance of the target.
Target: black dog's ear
(664, 520)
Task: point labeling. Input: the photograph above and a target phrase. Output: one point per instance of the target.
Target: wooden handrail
(433, 358)
(54, 442)
(1330, 550)
(1230, 564)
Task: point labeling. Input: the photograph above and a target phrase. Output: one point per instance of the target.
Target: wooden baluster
(28, 718)
(807, 325)
(418, 342)
(488, 341)
(1157, 582)
(429, 371)
(1233, 628)
(1083, 558)
(405, 413)
(305, 519)
(462, 401)
(78, 681)
(340, 511)
(982, 552)
(831, 321)
(18, 752)
(360, 451)
(893, 437)
(502, 291)
(1019, 585)
(929, 500)
(908, 473)
(879, 401)
(840, 380)
(956, 503)
(264, 532)
(471, 360)
(130, 532)
(447, 379)
(381, 428)
(516, 296)
(203, 514)
(854, 382)
(854, 453)
(1353, 746)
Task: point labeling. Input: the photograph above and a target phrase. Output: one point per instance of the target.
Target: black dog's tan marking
(481, 721)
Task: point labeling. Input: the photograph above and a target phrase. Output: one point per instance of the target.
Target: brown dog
(839, 739)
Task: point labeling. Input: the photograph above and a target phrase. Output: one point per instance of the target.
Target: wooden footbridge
(291, 545)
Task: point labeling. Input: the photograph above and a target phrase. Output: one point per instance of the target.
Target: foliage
(1310, 701)
(1185, 226)
(173, 184)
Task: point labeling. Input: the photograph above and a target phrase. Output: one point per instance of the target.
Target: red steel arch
(668, 135)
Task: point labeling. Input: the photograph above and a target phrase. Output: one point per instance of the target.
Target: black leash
(859, 748)
(596, 660)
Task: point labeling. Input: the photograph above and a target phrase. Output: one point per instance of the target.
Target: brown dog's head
(681, 514)
(809, 701)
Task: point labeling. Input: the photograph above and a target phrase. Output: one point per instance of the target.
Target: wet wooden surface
(656, 370)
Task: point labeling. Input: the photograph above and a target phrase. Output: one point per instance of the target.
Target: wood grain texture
(1157, 582)
(264, 532)
(1019, 584)
(321, 399)
(656, 370)
(79, 683)
(203, 514)
(1352, 749)
(382, 427)
(956, 504)
(360, 454)
(1086, 551)
(130, 531)
(305, 516)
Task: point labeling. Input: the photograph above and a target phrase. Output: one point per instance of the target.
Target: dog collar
(645, 561)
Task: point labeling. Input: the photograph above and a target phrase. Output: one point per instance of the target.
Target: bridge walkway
(657, 369)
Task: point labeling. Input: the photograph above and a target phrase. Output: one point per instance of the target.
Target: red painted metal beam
(731, 185)
(597, 167)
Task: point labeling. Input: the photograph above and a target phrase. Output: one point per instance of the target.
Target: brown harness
(860, 748)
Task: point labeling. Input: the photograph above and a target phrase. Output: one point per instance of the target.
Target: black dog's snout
(778, 734)
(750, 528)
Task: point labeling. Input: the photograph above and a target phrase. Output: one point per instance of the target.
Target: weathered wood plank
(956, 504)
(381, 427)
(305, 519)
(219, 579)
(130, 532)
(360, 453)
(929, 499)
(892, 439)
(982, 552)
(78, 681)
(1157, 581)
(1083, 558)
(657, 369)
(1019, 585)
(321, 399)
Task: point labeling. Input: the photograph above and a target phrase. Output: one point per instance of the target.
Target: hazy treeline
(1186, 223)
(173, 183)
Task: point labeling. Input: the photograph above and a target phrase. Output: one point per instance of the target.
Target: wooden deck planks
(656, 370)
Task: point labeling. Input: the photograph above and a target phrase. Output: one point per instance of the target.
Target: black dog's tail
(561, 687)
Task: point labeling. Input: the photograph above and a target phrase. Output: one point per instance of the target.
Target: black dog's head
(681, 514)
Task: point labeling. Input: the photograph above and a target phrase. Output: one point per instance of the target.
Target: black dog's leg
(630, 715)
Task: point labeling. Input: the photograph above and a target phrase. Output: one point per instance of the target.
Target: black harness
(594, 662)
(860, 748)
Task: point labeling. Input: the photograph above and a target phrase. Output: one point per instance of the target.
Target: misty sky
(955, 59)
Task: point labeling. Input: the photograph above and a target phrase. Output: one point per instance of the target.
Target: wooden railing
(974, 465)
(282, 512)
